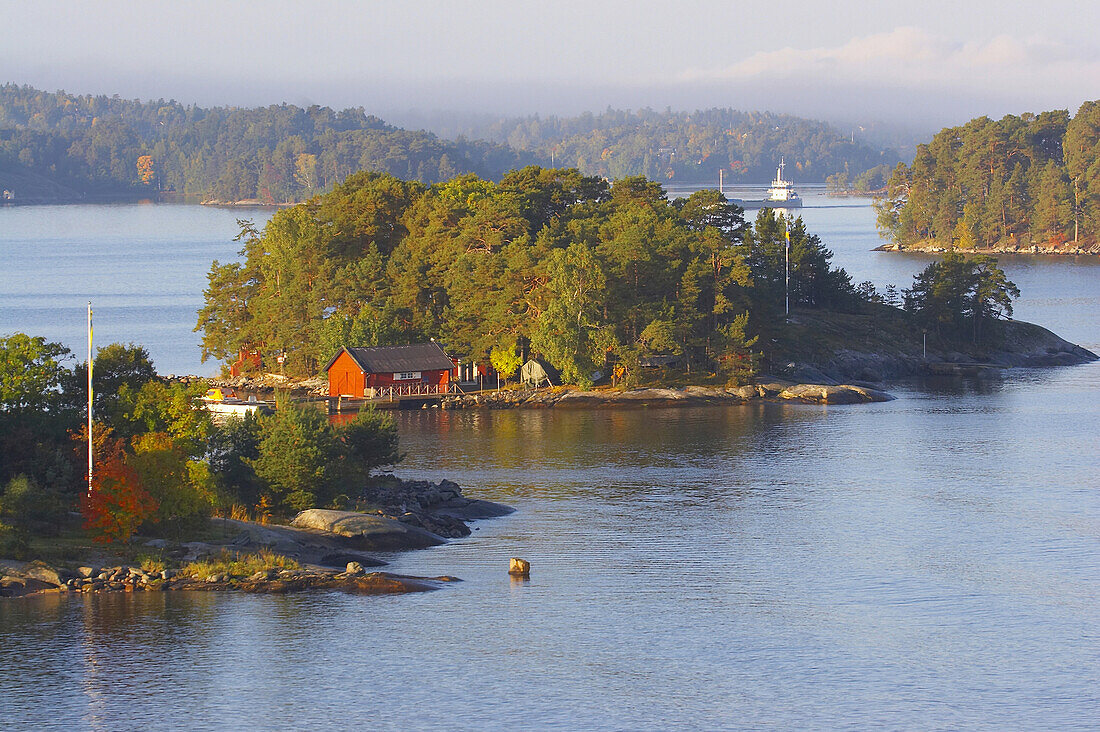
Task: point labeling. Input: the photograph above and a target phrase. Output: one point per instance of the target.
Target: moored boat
(218, 402)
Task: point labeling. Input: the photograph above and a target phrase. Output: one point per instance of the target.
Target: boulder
(367, 531)
(827, 394)
(770, 389)
(471, 509)
(40, 571)
(20, 586)
(744, 392)
(519, 567)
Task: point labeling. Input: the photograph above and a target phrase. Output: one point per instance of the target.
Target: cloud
(911, 57)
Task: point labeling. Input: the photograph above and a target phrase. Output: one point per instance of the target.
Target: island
(1026, 184)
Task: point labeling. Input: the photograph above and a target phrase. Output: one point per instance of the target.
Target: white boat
(780, 195)
(220, 404)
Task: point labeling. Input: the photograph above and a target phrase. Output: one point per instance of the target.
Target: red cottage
(422, 368)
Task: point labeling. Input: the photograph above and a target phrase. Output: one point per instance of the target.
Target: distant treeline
(689, 147)
(1015, 182)
(56, 145)
(51, 143)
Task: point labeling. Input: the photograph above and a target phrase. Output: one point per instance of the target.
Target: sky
(926, 64)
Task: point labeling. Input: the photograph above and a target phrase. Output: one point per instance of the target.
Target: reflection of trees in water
(182, 636)
(508, 454)
(939, 386)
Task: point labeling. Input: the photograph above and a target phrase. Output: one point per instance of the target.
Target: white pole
(89, 398)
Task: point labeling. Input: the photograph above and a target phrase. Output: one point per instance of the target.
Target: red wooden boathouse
(422, 368)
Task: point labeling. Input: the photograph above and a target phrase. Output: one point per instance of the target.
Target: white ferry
(780, 195)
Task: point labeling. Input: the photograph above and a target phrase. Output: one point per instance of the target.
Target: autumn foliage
(145, 169)
(118, 502)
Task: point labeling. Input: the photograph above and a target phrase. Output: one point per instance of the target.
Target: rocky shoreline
(901, 354)
(39, 578)
(769, 390)
(830, 358)
(324, 548)
(1047, 248)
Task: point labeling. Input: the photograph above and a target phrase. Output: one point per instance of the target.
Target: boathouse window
(406, 375)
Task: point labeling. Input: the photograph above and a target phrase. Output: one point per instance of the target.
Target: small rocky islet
(321, 550)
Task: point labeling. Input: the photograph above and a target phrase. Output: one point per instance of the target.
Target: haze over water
(930, 562)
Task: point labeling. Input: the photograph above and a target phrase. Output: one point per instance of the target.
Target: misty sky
(923, 63)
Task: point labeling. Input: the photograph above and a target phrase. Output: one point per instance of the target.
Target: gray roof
(395, 359)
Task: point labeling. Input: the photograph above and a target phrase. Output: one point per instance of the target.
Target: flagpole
(89, 398)
(787, 270)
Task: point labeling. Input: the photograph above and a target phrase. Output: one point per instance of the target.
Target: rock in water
(519, 567)
(355, 568)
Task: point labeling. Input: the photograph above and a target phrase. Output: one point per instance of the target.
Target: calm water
(143, 266)
(931, 562)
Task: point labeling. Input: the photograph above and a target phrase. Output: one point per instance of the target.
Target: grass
(152, 563)
(240, 565)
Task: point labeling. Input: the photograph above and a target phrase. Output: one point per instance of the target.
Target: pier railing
(407, 390)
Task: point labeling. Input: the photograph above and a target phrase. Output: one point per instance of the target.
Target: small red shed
(422, 368)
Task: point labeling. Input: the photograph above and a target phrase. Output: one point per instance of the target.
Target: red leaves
(118, 502)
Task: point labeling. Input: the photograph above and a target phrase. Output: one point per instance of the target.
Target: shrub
(238, 564)
(298, 458)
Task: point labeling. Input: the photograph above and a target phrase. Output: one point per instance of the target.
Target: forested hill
(55, 145)
(1029, 183)
(690, 147)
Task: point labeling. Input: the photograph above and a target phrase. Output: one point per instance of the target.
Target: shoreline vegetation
(298, 499)
(319, 550)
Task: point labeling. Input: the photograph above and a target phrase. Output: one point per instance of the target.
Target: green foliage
(27, 505)
(298, 458)
(167, 408)
(182, 488)
(32, 374)
(37, 409)
(961, 294)
(238, 564)
(686, 147)
(116, 365)
(579, 273)
(813, 282)
(1018, 181)
(14, 541)
(568, 331)
(369, 441)
(231, 449)
(369, 327)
